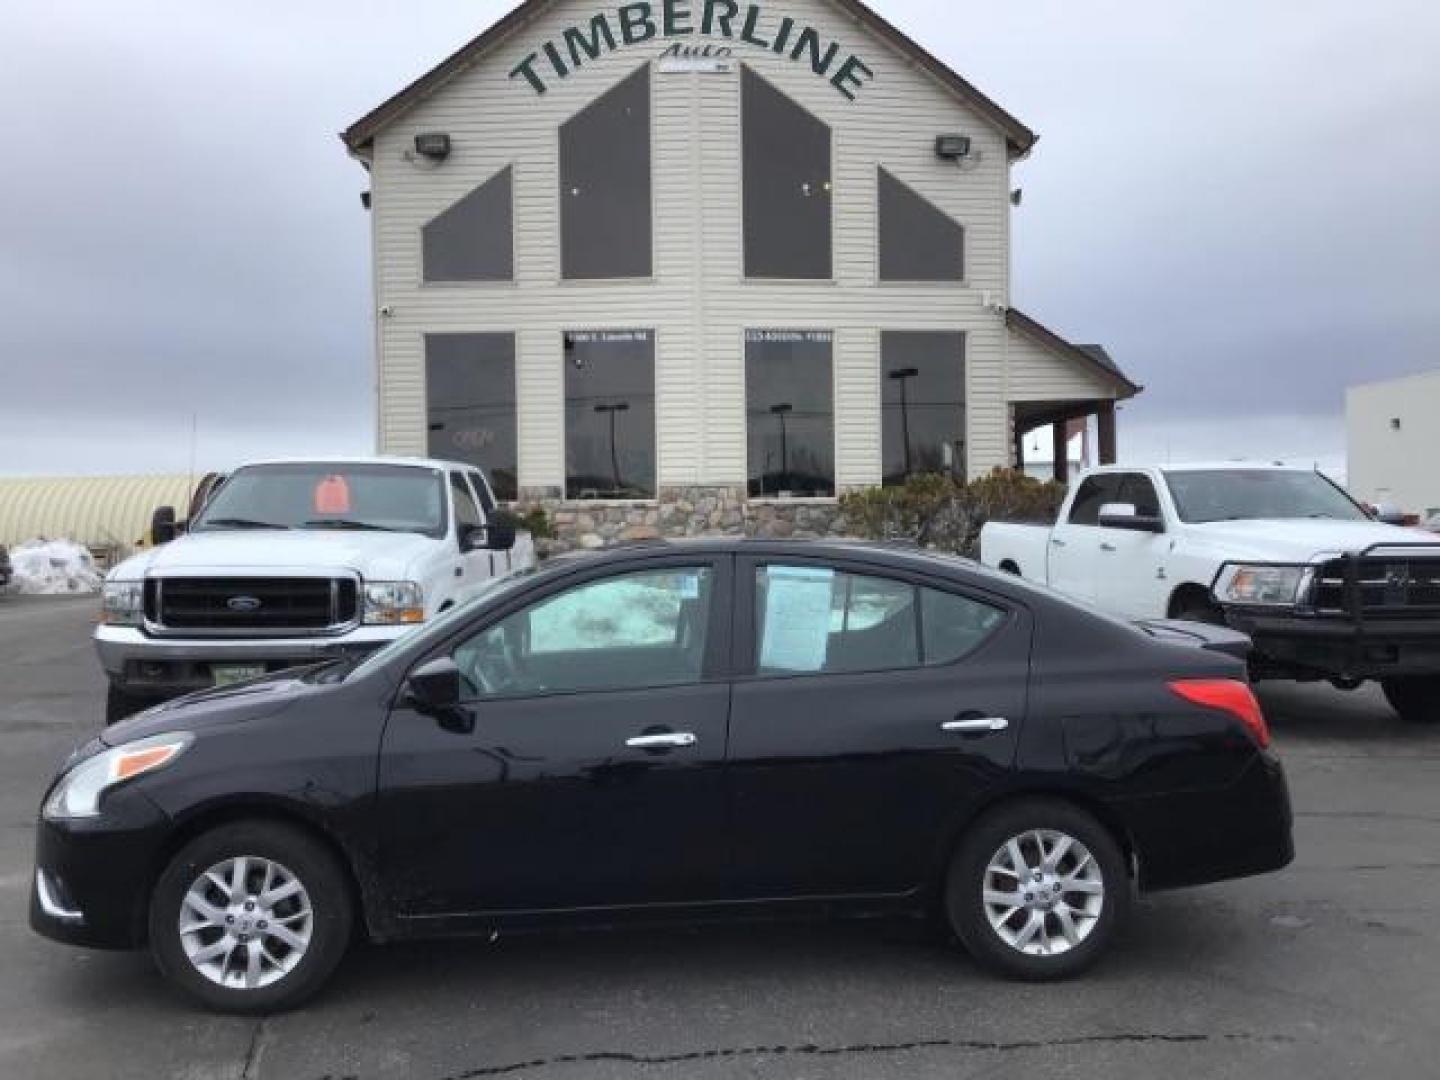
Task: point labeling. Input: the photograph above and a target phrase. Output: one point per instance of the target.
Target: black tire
(121, 706)
(1416, 700)
(311, 863)
(1198, 609)
(969, 875)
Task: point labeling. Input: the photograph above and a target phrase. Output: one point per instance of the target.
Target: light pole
(903, 377)
(614, 410)
(782, 412)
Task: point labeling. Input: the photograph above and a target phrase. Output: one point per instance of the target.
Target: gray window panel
(1137, 490)
(474, 240)
(470, 404)
(923, 404)
(918, 242)
(786, 185)
(790, 413)
(610, 414)
(1093, 494)
(467, 512)
(605, 220)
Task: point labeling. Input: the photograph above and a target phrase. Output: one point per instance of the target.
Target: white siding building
(1393, 432)
(700, 264)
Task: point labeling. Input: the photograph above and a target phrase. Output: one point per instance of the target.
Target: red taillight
(1227, 695)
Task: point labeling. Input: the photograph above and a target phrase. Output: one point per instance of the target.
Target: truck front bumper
(1341, 648)
(160, 668)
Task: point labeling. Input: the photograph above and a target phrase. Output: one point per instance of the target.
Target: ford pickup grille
(251, 606)
(1400, 587)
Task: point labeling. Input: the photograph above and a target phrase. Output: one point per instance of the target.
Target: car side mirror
(434, 690)
(163, 526)
(1125, 516)
(497, 536)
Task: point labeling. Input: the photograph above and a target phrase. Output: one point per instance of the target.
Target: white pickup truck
(295, 562)
(1284, 555)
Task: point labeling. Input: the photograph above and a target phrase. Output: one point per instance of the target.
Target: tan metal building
(98, 511)
(704, 253)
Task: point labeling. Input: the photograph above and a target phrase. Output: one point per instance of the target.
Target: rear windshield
(1258, 495)
(323, 495)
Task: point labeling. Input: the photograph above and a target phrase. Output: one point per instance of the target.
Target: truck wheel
(1201, 611)
(1038, 890)
(121, 706)
(1416, 700)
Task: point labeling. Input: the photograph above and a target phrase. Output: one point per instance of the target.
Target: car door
(877, 709)
(1075, 542)
(584, 768)
(475, 565)
(1132, 564)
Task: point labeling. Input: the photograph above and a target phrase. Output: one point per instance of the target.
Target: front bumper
(146, 666)
(1341, 648)
(93, 877)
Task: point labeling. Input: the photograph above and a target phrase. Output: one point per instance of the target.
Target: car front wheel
(251, 917)
(1416, 700)
(1037, 890)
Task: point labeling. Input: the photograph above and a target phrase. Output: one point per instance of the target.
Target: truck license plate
(226, 674)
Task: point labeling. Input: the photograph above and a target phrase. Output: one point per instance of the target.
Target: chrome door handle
(983, 725)
(1055, 541)
(676, 740)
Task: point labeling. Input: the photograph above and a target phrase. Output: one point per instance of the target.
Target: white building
(1393, 431)
(691, 254)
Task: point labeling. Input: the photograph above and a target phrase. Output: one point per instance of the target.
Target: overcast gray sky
(1241, 200)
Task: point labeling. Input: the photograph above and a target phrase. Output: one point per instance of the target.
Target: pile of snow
(54, 568)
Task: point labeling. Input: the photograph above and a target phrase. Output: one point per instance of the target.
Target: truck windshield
(329, 496)
(1258, 495)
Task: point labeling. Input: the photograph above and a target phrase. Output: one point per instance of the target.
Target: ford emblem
(243, 604)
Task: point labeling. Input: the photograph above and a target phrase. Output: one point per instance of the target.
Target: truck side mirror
(163, 527)
(1125, 516)
(499, 535)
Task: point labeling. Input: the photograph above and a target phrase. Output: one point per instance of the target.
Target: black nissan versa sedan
(676, 731)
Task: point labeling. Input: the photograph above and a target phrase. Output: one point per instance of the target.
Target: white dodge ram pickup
(295, 562)
(1283, 555)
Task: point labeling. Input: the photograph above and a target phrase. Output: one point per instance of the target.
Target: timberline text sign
(718, 20)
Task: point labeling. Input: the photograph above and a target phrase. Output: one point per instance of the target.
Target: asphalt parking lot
(1331, 969)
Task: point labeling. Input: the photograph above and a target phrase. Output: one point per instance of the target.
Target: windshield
(1258, 495)
(439, 627)
(335, 496)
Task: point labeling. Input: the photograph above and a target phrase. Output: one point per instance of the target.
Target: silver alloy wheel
(1043, 892)
(246, 923)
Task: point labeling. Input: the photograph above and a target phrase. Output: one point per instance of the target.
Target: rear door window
(1094, 493)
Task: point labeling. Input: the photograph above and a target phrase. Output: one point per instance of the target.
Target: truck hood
(375, 556)
(1291, 541)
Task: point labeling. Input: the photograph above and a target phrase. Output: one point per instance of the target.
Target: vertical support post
(1060, 440)
(1108, 442)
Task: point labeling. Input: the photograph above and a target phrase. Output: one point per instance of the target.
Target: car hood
(236, 704)
(1301, 541)
(375, 556)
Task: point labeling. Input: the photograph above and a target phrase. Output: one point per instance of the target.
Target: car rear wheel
(251, 917)
(1416, 700)
(1037, 890)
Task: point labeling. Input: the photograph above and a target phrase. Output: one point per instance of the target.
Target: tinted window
(610, 414)
(467, 513)
(790, 412)
(605, 185)
(1139, 492)
(329, 495)
(812, 620)
(918, 242)
(954, 626)
(474, 239)
(1258, 495)
(1093, 494)
(482, 492)
(786, 185)
(470, 404)
(923, 391)
(629, 632)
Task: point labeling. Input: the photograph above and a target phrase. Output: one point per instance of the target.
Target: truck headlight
(78, 793)
(122, 603)
(1262, 586)
(394, 603)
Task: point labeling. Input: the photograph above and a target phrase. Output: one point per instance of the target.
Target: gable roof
(362, 133)
(1094, 358)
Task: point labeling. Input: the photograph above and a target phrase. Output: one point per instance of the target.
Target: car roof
(410, 462)
(1205, 466)
(896, 554)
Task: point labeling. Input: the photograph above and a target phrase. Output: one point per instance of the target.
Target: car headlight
(394, 603)
(78, 793)
(122, 603)
(1262, 586)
